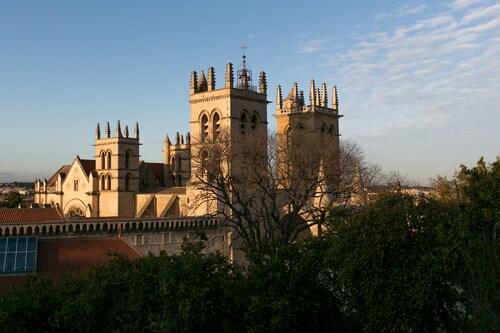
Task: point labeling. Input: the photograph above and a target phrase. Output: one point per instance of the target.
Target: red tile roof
(56, 256)
(29, 215)
(70, 255)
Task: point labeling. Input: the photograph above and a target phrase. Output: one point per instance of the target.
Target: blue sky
(418, 81)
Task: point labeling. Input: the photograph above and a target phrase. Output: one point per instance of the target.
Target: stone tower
(177, 160)
(315, 121)
(238, 110)
(117, 165)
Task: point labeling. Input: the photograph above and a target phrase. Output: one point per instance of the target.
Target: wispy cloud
(439, 74)
(407, 9)
(461, 4)
(311, 46)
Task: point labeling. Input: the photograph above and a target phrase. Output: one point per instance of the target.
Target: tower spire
(118, 130)
(324, 97)
(98, 132)
(136, 131)
(279, 98)
(211, 79)
(108, 131)
(229, 75)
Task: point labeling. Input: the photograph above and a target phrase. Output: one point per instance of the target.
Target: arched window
(179, 180)
(255, 121)
(75, 185)
(108, 182)
(108, 160)
(127, 182)
(172, 180)
(216, 125)
(323, 128)
(243, 121)
(75, 213)
(103, 183)
(288, 134)
(300, 127)
(128, 156)
(179, 164)
(331, 130)
(204, 127)
(103, 160)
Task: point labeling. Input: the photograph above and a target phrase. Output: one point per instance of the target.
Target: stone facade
(118, 184)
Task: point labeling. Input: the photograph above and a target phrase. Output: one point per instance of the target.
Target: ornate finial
(229, 75)
(126, 131)
(167, 140)
(301, 98)
(188, 138)
(211, 79)
(98, 132)
(335, 100)
(118, 130)
(244, 75)
(136, 131)
(177, 138)
(279, 98)
(193, 86)
(202, 83)
(182, 139)
(263, 83)
(108, 131)
(295, 90)
(324, 97)
(316, 97)
(312, 93)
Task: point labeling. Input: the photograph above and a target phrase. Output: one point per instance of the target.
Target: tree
(265, 187)
(291, 289)
(396, 262)
(13, 199)
(356, 174)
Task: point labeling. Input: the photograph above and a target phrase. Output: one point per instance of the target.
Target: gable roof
(88, 166)
(156, 169)
(62, 170)
(29, 215)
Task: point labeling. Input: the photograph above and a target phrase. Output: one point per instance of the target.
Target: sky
(418, 82)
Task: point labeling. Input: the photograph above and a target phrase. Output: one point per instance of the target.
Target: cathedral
(116, 183)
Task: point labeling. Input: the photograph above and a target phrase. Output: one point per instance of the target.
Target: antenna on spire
(245, 74)
(243, 47)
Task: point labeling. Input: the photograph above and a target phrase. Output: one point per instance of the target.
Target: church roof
(29, 215)
(88, 166)
(62, 170)
(157, 170)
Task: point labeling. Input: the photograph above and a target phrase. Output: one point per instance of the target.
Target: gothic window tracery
(255, 121)
(75, 213)
(216, 125)
(108, 160)
(204, 127)
(243, 121)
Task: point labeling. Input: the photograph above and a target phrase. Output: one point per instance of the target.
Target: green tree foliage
(184, 293)
(401, 264)
(289, 288)
(13, 199)
(395, 263)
